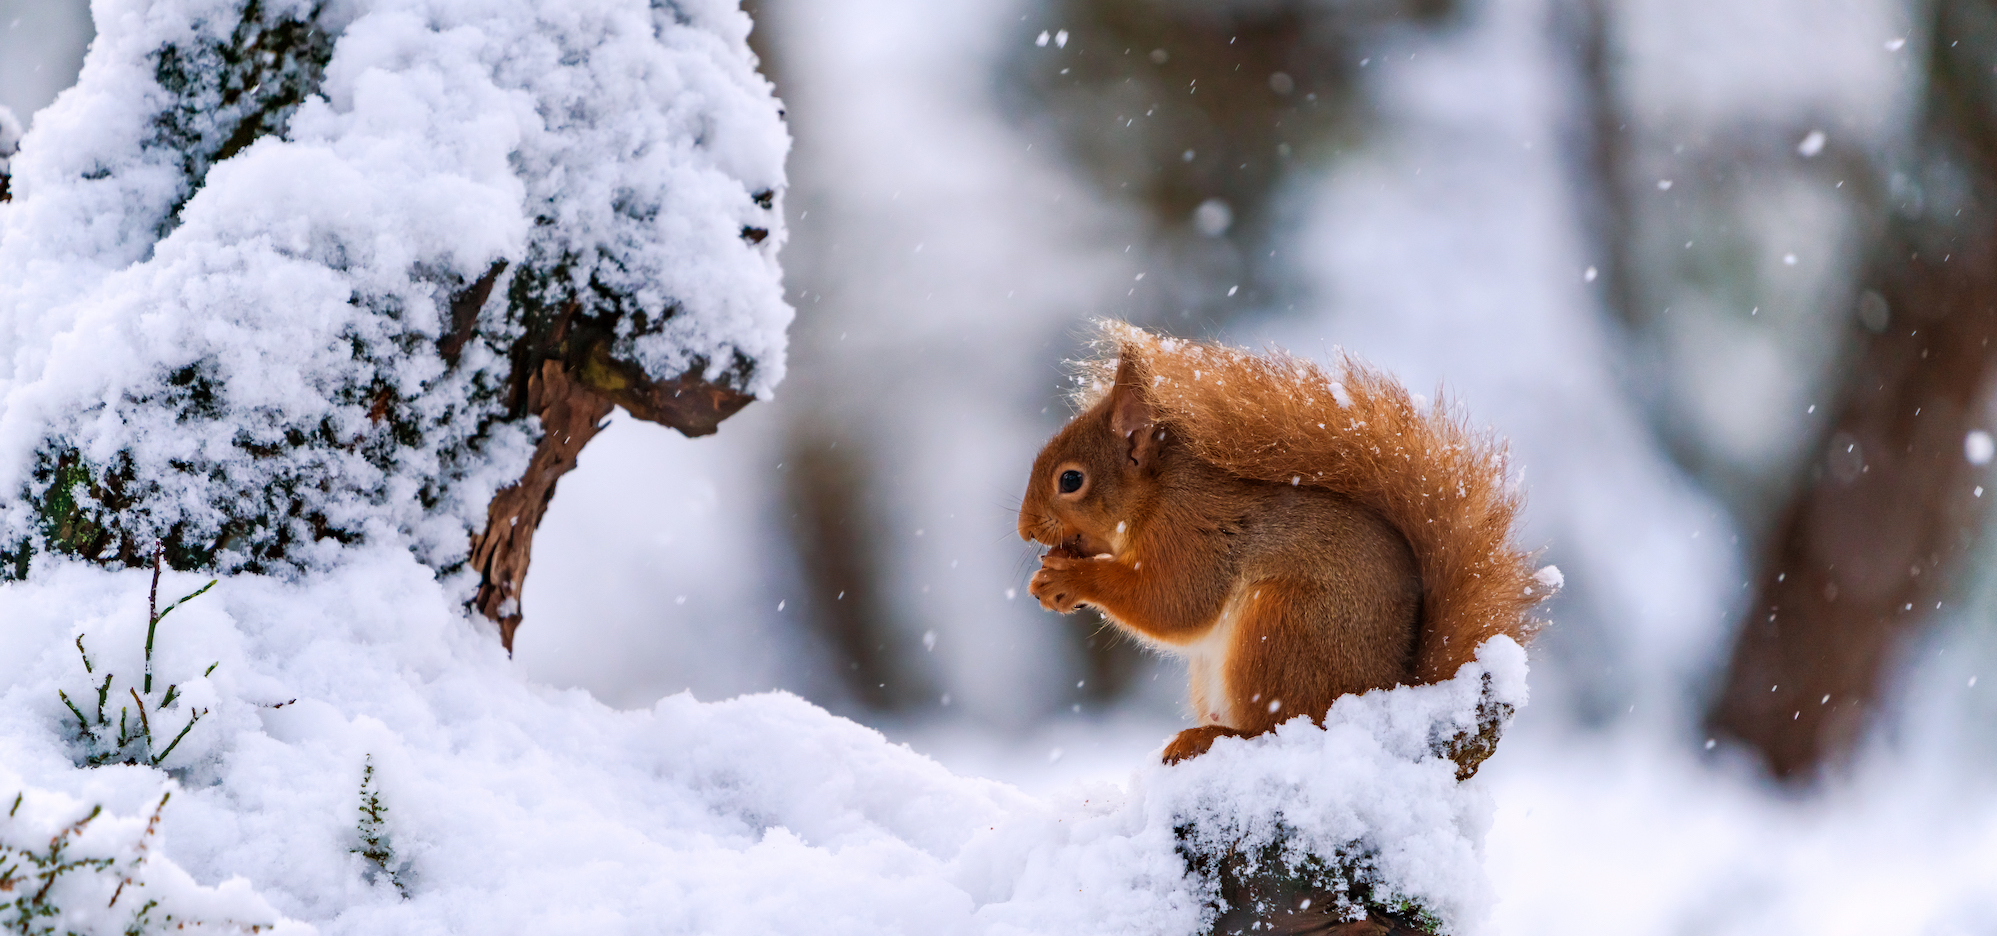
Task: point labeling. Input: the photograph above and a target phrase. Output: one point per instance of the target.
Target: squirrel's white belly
(1206, 664)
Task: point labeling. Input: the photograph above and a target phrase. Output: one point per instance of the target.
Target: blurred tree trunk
(838, 535)
(1876, 537)
(9, 131)
(1598, 141)
(836, 531)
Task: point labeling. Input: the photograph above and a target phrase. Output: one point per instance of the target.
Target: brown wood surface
(571, 414)
(572, 382)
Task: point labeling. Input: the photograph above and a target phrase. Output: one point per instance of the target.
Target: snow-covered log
(282, 275)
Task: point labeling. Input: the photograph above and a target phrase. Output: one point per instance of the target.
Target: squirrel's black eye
(1071, 481)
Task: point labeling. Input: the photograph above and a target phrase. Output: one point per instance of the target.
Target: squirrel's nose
(1033, 523)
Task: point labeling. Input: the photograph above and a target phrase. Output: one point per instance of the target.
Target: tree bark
(572, 394)
(571, 414)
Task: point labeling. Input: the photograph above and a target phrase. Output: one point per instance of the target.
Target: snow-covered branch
(277, 275)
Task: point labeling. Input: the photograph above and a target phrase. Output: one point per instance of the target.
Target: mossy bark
(1266, 890)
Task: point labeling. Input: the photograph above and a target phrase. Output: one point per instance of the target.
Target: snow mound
(511, 807)
(274, 271)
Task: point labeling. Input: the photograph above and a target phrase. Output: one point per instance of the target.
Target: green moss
(1277, 886)
(78, 506)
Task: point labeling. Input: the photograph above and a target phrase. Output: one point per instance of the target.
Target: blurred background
(1724, 273)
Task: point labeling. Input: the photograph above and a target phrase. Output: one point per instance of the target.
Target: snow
(265, 328)
(1978, 447)
(1638, 834)
(518, 808)
(1612, 814)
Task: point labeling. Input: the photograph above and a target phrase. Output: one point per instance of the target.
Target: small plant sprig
(30, 874)
(31, 902)
(373, 828)
(131, 739)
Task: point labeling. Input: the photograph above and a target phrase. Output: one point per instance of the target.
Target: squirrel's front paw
(1055, 583)
(1193, 742)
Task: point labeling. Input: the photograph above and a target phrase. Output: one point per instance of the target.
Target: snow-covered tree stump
(1365, 828)
(280, 275)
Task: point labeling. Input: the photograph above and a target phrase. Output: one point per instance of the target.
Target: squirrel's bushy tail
(1355, 430)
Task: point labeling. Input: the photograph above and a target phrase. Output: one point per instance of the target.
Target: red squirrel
(1296, 534)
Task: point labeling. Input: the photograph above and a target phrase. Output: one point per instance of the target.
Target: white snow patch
(523, 809)
(1978, 447)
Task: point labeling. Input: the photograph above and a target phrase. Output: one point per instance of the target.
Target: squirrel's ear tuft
(1130, 415)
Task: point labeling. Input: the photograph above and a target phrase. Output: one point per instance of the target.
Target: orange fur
(1275, 417)
(1299, 533)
